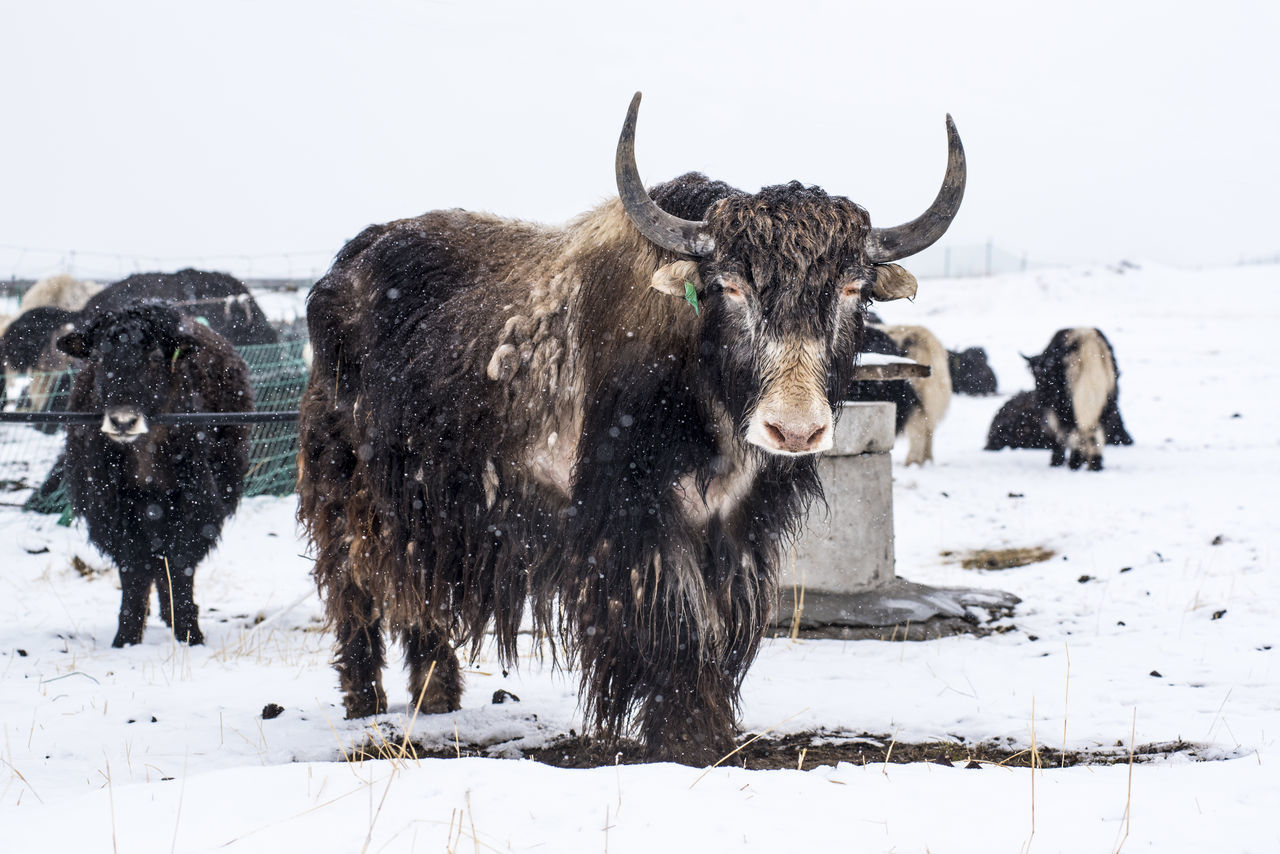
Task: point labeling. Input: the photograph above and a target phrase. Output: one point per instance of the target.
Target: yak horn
(890, 244)
(685, 236)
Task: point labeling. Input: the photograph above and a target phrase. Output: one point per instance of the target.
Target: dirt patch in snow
(799, 751)
(999, 558)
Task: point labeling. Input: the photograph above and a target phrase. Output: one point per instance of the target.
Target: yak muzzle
(124, 424)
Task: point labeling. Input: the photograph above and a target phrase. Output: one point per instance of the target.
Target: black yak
(971, 372)
(616, 420)
(154, 496)
(220, 300)
(1074, 409)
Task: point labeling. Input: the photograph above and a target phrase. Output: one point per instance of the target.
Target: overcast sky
(258, 136)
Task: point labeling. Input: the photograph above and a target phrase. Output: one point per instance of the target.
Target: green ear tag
(691, 296)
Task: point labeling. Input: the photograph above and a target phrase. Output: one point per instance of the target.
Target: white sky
(170, 133)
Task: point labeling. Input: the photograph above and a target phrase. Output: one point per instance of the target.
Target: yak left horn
(688, 237)
(890, 244)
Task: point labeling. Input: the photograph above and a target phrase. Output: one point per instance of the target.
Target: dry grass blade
(1128, 801)
(417, 706)
(751, 740)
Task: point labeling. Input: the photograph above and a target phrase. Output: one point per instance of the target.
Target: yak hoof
(130, 639)
(365, 704)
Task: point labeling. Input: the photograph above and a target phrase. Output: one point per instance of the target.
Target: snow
(1165, 562)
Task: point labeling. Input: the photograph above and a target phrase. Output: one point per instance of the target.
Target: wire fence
(29, 454)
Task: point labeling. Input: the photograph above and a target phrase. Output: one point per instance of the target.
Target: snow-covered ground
(1166, 563)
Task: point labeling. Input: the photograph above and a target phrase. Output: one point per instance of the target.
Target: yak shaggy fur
(502, 412)
(156, 505)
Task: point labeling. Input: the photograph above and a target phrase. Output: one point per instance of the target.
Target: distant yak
(1073, 411)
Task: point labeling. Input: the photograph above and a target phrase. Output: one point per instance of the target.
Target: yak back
(898, 392)
(222, 300)
(31, 333)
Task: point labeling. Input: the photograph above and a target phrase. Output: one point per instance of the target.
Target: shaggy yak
(919, 402)
(155, 496)
(971, 372)
(616, 420)
(1074, 406)
(220, 300)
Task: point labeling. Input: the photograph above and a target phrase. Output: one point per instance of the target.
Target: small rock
(22, 653)
(503, 696)
(272, 710)
(1216, 541)
(1157, 674)
(1085, 579)
(1126, 569)
(973, 765)
(1218, 615)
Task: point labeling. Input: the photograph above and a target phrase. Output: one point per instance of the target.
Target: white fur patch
(794, 400)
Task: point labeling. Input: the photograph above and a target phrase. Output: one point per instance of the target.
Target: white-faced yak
(615, 421)
(1074, 409)
(154, 496)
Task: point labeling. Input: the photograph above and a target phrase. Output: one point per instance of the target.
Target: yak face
(787, 274)
(132, 352)
(783, 298)
(785, 302)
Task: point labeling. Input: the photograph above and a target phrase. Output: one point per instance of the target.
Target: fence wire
(29, 453)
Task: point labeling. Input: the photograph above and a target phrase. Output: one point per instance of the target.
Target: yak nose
(803, 437)
(803, 427)
(123, 423)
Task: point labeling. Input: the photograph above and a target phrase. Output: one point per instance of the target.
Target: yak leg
(919, 449)
(135, 600)
(657, 654)
(176, 589)
(361, 654)
(435, 680)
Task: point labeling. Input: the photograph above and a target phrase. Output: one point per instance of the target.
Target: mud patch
(999, 558)
(799, 751)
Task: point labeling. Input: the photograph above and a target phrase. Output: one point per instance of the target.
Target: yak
(971, 372)
(155, 496)
(221, 300)
(1074, 409)
(615, 421)
(61, 291)
(919, 402)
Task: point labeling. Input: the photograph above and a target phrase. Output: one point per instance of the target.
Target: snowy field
(1154, 623)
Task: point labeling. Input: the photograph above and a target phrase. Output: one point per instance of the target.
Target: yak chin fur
(501, 412)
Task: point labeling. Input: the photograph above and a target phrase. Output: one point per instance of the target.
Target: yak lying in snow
(154, 496)
(1074, 409)
(616, 420)
(971, 372)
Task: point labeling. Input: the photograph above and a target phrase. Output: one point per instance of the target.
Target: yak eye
(852, 290)
(731, 289)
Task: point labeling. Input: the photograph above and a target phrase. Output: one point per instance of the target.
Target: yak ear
(75, 344)
(188, 338)
(892, 282)
(670, 279)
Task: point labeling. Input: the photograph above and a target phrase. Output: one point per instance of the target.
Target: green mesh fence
(28, 453)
